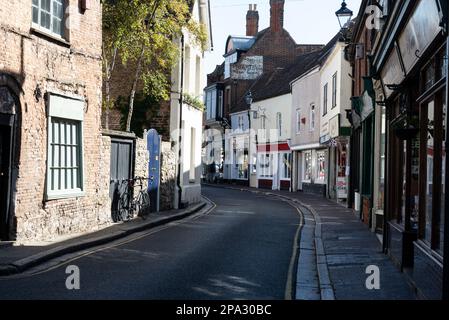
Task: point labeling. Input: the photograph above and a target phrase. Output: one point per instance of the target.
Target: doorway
(6, 123)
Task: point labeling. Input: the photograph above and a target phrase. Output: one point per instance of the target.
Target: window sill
(75, 194)
(35, 29)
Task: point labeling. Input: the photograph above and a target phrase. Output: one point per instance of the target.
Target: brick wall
(158, 115)
(39, 63)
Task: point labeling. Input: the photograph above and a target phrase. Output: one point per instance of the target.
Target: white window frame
(298, 121)
(279, 123)
(325, 99)
(38, 25)
(312, 117)
(334, 89)
(71, 109)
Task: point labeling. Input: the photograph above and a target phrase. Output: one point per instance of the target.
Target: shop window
(286, 166)
(382, 152)
(266, 166)
(431, 218)
(307, 167)
(321, 167)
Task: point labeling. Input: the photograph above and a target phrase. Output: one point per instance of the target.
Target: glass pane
(74, 134)
(57, 9)
(56, 162)
(75, 178)
(443, 182)
(36, 15)
(74, 157)
(429, 184)
(36, 3)
(56, 132)
(45, 20)
(46, 5)
(56, 26)
(56, 179)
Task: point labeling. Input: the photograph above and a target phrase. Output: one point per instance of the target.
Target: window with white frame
(65, 147)
(279, 123)
(298, 121)
(241, 123)
(321, 166)
(334, 90)
(286, 166)
(325, 96)
(307, 167)
(263, 121)
(312, 117)
(265, 165)
(49, 15)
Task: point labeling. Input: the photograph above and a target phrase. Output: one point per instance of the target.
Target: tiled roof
(277, 83)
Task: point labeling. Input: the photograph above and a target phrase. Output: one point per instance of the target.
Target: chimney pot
(252, 21)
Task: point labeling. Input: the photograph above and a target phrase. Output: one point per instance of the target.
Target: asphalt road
(242, 249)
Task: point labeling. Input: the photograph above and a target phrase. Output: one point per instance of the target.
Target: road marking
(104, 248)
(294, 258)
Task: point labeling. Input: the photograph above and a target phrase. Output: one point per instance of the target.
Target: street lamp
(249, 98)
(344, 15)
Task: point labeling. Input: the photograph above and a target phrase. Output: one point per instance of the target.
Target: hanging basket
(406, 133)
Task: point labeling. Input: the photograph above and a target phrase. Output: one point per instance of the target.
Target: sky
(307, 21)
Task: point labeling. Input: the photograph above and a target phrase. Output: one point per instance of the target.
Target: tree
(141, 33)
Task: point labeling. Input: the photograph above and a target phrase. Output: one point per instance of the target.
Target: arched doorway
(9, 107)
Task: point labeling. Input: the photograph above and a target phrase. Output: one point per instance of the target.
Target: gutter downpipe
(181, 101)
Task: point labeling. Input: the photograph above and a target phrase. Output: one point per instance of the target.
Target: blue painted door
(154, 149)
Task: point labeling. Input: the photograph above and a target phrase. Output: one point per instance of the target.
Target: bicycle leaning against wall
(129, 206)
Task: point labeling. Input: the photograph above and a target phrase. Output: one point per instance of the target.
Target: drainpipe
(181, 101)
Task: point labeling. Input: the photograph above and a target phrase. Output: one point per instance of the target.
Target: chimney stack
(277, 15)
(252, 21)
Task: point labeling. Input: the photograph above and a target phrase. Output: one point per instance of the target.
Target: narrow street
(242, 249)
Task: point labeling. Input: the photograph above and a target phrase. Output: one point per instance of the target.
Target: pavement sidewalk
(336, 248)
(17, 259)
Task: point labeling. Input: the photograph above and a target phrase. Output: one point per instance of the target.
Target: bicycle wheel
(124, 208)
(143, 204)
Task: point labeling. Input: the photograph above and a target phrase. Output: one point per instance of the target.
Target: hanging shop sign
(334, 127)
(422, 28)
(392, 73)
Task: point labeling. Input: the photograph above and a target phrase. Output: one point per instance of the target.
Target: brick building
(53, 178)
(178, 124)
(247, 58)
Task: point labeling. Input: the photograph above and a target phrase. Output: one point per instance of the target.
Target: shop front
(312, 170)
(274, 166)
(336, 138)
(413, 74)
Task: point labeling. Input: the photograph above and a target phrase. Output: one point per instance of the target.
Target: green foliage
(194, 102)
(145, 107)
(143, 32)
